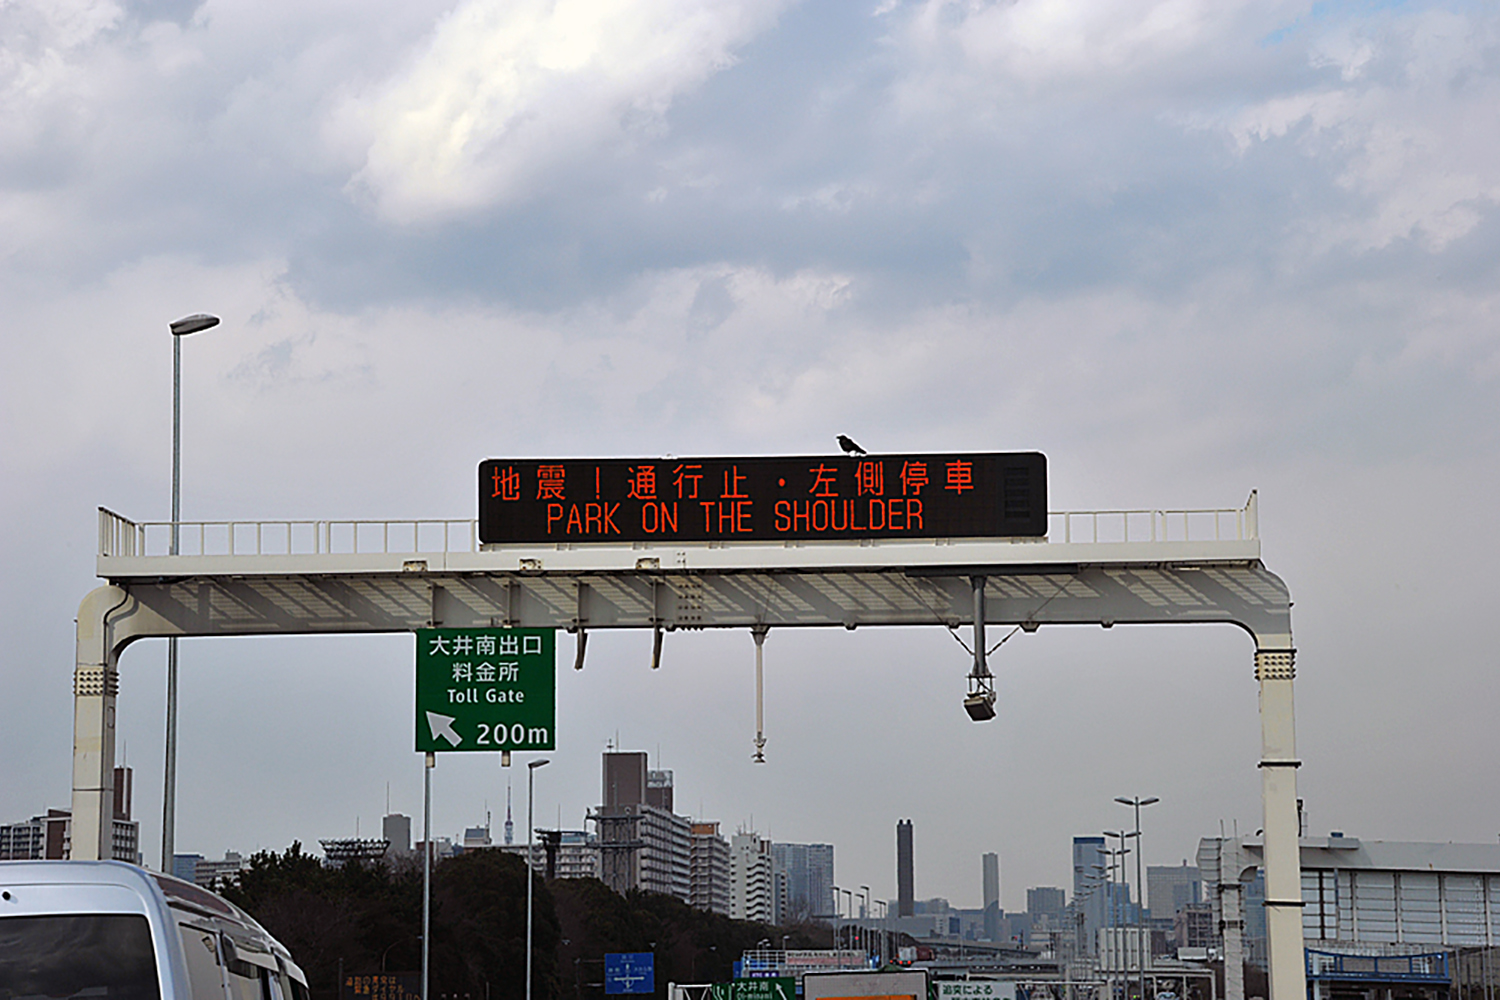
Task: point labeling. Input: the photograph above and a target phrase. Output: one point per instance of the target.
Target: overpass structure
(324, 577)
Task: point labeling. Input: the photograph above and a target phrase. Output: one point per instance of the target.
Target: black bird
(850, 448)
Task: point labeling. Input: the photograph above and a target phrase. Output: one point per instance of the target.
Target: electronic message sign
(486, 689)
(960, 495)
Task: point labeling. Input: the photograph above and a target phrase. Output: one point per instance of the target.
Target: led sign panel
(803, 498)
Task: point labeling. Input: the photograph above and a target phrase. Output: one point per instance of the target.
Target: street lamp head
(538, 763)
(195, 323)
(1152, 800)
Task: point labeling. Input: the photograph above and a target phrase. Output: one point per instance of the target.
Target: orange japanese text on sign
(960, 476)
(870, 478)
(825, 482)
(549, 482)
(507, 483)
(642, 483)
(687, 477)
(913, 477)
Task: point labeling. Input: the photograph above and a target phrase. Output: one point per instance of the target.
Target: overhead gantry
(329, 577)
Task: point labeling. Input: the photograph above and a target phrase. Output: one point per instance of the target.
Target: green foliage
(367, 918)
(357, 916)
(479, 928)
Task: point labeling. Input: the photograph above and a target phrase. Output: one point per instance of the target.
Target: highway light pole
(864, 923)
(1114, 917)
(1140, 887)
(530, 875)
(181, 328)
(836, 944)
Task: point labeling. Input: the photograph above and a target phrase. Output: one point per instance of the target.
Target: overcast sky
(1187, 248)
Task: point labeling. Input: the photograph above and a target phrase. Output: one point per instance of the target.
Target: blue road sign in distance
(629, 972)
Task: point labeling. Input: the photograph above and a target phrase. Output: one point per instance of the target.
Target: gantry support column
(1278, 782)
(96, 682)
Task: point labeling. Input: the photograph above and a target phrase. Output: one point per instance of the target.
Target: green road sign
(768, 988)
(486, 689)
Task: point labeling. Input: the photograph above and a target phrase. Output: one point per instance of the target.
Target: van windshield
(107, 956)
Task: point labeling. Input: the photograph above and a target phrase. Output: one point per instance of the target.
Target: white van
(105, 930)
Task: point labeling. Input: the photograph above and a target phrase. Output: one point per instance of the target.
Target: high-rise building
(185, 866)
(803, 879)
(396, 828)
(1091, 890)
(906, 896)
(1169, 888)
(991, 869)
(641, 846)
(624, 779)
(710, 869)
(991, 879)
(750, 881)
(1045, 900)
(659, 789)
(51, 835)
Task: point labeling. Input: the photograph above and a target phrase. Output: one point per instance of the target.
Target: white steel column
(1278, 781)
(96, 683)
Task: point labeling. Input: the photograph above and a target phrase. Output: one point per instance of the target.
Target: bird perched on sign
(850, 448)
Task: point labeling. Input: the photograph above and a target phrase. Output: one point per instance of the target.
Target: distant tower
(905, 895)
(510, 828)
(991, 873)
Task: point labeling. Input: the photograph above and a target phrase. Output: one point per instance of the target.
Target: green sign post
(486, 689)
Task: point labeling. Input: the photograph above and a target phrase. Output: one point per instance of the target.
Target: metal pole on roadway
(864, 924)
(181, 328)
(530, 875)
(836, 891)
(1140, 886)
(759, 632)
(427, 767)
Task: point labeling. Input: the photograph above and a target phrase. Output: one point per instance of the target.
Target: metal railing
(121, 537)
(1206, 524)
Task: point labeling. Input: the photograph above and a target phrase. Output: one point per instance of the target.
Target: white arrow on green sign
(486, 689)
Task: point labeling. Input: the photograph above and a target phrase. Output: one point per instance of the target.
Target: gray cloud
(1187, 249)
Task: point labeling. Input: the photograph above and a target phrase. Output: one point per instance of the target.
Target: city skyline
(957, 898)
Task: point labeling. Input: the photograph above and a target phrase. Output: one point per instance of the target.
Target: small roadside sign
(486, 689)
(630, 972)
(768, 988)
(382, 986)
(975, 989)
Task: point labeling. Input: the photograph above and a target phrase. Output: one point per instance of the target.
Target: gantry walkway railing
(120, 537)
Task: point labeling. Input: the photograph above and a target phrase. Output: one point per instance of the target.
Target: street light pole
(181, 328)
(1114, 916)
(1140, 886)
(836, 944)
(849, 892)
(530, 775)
(864, 923)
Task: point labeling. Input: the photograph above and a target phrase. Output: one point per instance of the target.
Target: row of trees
(368, 918)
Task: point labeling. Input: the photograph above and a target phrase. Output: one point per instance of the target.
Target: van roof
(151, 885)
